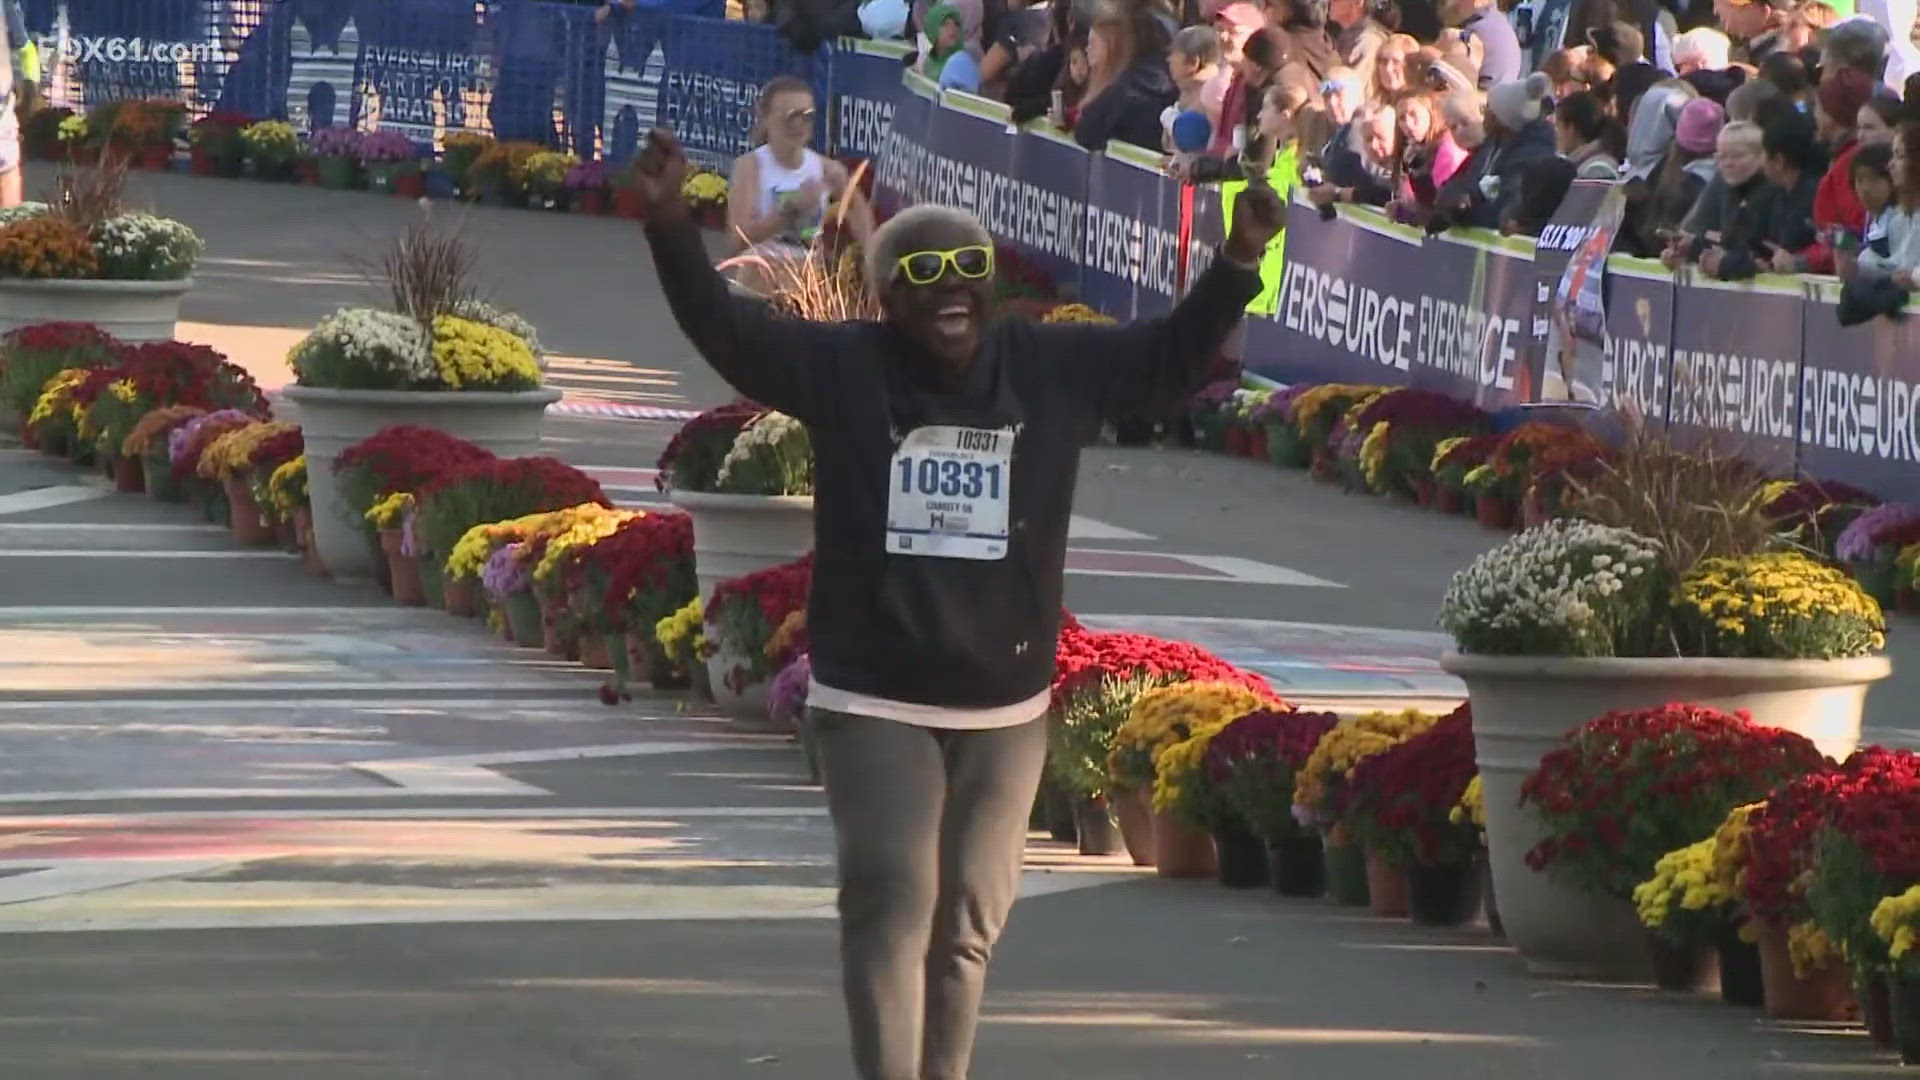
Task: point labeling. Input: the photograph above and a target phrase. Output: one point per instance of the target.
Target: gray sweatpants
(930, 824)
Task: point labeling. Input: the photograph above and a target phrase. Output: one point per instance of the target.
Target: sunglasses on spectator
(799, 115)
(972, 262)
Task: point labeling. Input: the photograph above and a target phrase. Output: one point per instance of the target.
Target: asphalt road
(254, 824)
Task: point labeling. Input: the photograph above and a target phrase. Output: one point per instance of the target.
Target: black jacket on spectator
(1346, 167)
(1129, 108)
(1740, 216)
(1659, 205)
(808, 24)
(1469, 202)
(1030, 87)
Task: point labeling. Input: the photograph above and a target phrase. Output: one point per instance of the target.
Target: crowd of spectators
(1750, 135)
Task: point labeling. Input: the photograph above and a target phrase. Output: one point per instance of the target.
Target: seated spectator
(1837, 106)
(1362, 170)
(1198, 76)
(1657, 207)
(1487, 185)
(1700, 57)
(1588, 137)
(1754, 25)
(1900, 221)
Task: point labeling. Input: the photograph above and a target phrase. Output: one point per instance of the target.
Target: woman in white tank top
(782, 191)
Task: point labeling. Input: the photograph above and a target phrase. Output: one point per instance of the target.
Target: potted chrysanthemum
(1672, 589)
(440, 359)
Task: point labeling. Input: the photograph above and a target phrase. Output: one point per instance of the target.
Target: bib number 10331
(949, 493)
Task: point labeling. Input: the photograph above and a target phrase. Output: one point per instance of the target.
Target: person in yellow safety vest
(26, 58)
(1279, 143)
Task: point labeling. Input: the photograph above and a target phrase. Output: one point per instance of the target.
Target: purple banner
(1132, 256)
(902, 176)
(866, 84)
(1362, 300)
(1736, 366)
(1858, 399)
(1050, 176)
(1633, 366)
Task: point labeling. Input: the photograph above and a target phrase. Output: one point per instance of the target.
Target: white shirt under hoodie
(1902, 230)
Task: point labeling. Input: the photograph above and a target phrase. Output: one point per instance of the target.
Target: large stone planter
(333, 420)
(134, 311)
(734, 535)
(1522, 704)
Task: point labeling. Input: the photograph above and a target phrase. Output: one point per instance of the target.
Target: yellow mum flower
(56, 396)
(1352, 740)
(1896, 920)
(579, 526)
(287, 487)
(231, 454)
(1373, 455)
(390, 512)
(470, 355)
(681, 633)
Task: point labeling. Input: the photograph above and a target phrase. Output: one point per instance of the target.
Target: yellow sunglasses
(926, 267)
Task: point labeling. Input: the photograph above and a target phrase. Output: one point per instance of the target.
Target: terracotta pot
(1493, 511)
(1423, 492)
(1236, 441)
(157, 158)
(244, 514)
(1297, 865)
(410, 184)
(1681, 967)
(1132, 810)
(560, 641)
(627, 204)
(303, 528)
(460, 597)
(713, 217)
(591, 201)
(402, 570)
(129, 475)
(1387, 890)
(593, 652)
(1257, 443)
(1324, 467)
(1533, 508)
(1448, 500)
(1823, 994)
(1180, 850)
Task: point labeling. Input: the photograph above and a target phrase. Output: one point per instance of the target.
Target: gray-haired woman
(947, 444)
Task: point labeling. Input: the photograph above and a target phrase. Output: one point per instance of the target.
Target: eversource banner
(1364, 300)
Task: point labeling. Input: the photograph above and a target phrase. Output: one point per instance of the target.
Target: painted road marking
(151, 553)
(8, 528)
(452, 775)
(46, 498)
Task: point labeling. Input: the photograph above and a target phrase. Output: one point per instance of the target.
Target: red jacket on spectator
(1834, 204)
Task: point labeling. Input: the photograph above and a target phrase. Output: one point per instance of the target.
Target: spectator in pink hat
(1658, 205)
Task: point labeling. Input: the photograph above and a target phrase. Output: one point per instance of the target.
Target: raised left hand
(1258, 216)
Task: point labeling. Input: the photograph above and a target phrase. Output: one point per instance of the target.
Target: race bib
(950, 490)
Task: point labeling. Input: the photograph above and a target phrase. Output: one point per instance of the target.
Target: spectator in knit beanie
(1836, 207)
(1657, 206)
(1486, 189)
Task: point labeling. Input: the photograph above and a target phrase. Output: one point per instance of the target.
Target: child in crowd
(1873, 186)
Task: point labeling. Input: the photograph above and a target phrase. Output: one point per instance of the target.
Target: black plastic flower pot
(1904, 1000)
(1242, 859)
(1682, 967)
(1739, 971)
(1093, 827)
(1060, 823)
(1346, 875)
(1297, 864)
(1444, 894)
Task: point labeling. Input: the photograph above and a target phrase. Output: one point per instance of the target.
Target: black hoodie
(960, 633)
(1129, 108)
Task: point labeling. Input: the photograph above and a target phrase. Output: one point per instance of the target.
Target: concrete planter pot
(735, 535)
(1523, 704)
(508, 424)
(133, 311)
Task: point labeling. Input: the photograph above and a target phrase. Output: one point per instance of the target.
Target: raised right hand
(659, 174)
